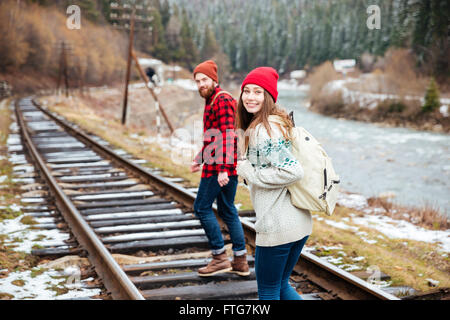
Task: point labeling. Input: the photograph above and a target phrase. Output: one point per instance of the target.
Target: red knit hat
(265, 77)
(209, 68)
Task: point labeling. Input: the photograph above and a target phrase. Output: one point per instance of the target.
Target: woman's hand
(239, 162)
(239, 165)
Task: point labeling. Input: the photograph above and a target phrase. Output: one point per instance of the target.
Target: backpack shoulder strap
(218, 94)
(278, 120)
(291, 115)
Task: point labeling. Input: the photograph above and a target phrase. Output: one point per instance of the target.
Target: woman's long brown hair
(246, 121)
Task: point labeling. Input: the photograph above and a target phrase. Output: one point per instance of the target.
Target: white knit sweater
(269, 168)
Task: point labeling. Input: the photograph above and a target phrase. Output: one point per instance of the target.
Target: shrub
(431, 97)
(396, 107)
(402, 77)
(320, 77)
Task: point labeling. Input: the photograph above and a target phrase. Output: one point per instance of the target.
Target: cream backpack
(317, 190)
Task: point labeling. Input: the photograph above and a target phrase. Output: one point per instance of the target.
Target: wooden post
(60, 69)
(66, 75)
(127, 78)
(146, 80)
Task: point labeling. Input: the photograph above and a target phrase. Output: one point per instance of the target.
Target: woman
(269, 167)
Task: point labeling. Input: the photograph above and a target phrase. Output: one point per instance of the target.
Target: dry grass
(29, 39)
(320, 76)
(426, 216)
(401, 76)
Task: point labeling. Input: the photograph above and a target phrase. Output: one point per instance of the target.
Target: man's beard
(206, 92)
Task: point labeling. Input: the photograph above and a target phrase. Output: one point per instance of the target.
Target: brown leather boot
(240, 265)
(218, 264)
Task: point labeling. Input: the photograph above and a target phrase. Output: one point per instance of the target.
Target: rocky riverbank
(340, 99)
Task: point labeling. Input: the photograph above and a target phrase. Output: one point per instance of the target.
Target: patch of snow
(369, 241)
(350, 267)
(401, 229)
(38, 287)
(317, 217)
(333, 260)
(357, 259)
(354, 201)
(444, 110)
(433, 283)
(14, 207)
(291, 84)
(331, 248)
(186, 84)
(341, 225)
(23, 238)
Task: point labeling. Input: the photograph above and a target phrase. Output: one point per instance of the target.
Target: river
(370, 159)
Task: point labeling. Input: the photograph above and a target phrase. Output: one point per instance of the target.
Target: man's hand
(195, 167)
(223, 179)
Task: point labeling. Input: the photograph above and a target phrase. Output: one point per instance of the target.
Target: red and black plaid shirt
(218, 135)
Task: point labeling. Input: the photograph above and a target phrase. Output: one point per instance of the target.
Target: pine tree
(431, 97)
(165, 13)
(210, 47)
(158, 45)
(190, 50)
(173, 38)
(89, 9)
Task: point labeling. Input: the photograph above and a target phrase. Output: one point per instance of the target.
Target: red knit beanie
(265, 77)
(209, 68)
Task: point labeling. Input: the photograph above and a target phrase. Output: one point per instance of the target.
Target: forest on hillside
(284, 34)
(293, 34)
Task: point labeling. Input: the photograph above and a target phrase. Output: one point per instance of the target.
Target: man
(152, 76)
(219, 178)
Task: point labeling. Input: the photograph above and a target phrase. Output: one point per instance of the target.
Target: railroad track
(114, 205)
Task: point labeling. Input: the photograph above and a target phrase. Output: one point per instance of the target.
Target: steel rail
(333, 279)
(113, 277)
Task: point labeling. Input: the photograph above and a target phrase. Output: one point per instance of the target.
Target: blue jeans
(273, 267)
(208, 191)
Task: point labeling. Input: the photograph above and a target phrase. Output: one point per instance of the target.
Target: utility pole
(122, 15)
(126, 12)
(63, 66)
(127, 78)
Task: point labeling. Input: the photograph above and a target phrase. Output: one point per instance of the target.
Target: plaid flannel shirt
(218, 134)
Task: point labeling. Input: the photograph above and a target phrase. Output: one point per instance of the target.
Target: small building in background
(298, 75)
(344, 66)
(154, 65)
